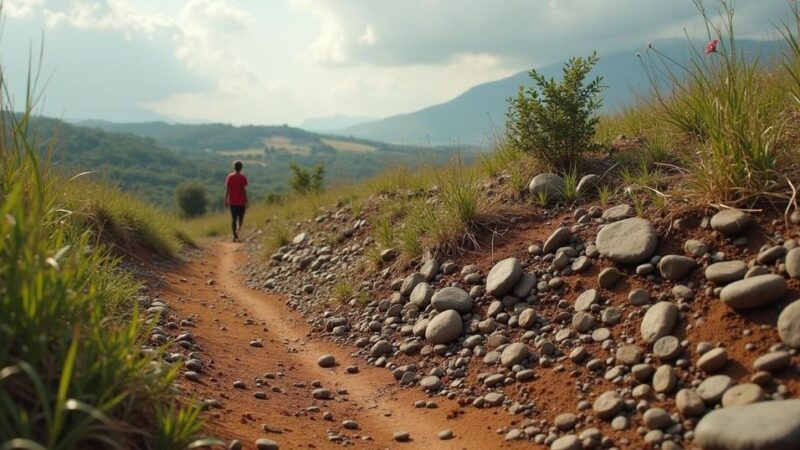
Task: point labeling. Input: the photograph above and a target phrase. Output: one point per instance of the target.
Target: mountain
(334, 122)
(478, 115)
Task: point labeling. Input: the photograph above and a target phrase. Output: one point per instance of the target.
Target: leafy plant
(305, 181)
(604, 194)
(191, 197)
(555, 121)
(570, 190)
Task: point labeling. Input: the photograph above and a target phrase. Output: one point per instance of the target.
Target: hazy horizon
(289, 61)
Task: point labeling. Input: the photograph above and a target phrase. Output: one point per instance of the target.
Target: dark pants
(237, 216)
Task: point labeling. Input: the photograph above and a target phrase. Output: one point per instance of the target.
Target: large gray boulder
(773, 425)
(550, 184)
(452, 298)
(503, 277)
(754, 291)
(444, 328)
(629, 241)
(421, 295)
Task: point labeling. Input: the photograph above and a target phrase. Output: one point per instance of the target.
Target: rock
(773, 361)
(789, 325)
(587, 184)
(503, 277)
(299, 238)
(380, 348)
(430, 269)
(582, 321)
(676, 267)
(658, 321)
(619, 212)
(607, 405)
(712, 388)
(444, 328)
(638, 297)
(513, 354)
(586, 300)
(726, 272)
(421, 295)
(731, 222)
(525, 285)
(664, 379)
(608, 277)
(550, 184)
(326, 361)
(713, 360)
(410, 282)
(629, 241)
(567, 442)
(401, 436)
(527, 319)
(770, 255)
(494, 398)
(452, 298)
(267, 444)
(629, 354)
(667, 348)
(771, 425)
(695, 248)
(235, 445)
(566, 421)
(321, 394)
(350, 424)
(431, 383)
(557, 239)
(656, 419)
(445, 435)
(689, 403)
(793, 262)
(742, 394)
(753, 292)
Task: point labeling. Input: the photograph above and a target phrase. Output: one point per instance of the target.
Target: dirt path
(228, 316)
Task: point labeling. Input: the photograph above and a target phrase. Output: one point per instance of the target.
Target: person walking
(236, 197)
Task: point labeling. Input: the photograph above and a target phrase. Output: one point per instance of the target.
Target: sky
(283, 61)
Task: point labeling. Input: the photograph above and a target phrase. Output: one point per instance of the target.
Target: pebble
(658, 321)
(676, 267)
(629, 241)
(607, 405)
(445, 435)
(266, 444)
(452, 298)
(731, 222)
(656, 419)
(713, 360)
(326, 361)
(726, 272)
(502, 278)
(667, 348)
(689, 403)
(568, 442)
(608, 277)
(401, 436)
(444, 328)
(742, 394)
(664, 379)
(712, 388)
(792, 262)
(773, 361)
(753, 292)
(789, 325)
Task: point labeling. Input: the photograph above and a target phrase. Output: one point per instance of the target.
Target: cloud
(21, 9)
(432, 32)
(204, 33)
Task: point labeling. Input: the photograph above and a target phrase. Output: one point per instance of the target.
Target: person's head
(237, 166)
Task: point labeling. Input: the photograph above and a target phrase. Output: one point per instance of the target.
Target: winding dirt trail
(228, 316)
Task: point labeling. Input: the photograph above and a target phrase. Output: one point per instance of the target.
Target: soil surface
(229, 316)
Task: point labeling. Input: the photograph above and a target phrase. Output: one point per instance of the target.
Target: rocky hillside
(587, 326)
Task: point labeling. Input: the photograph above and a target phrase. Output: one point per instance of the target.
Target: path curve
(230, 315)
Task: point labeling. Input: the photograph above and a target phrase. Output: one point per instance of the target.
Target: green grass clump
(73, 369)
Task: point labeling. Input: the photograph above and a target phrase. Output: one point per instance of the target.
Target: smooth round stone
(607, 405)
(619, 212)
(527, 319)
(326, 361)
(629, 241)
(586, 300)
(620, 423)
(503, 277)
(695, 248)
(410, 282)
(444, 328)
(431, 383)
(712, 388)
(726, 272)
(667, 348)
(582, 321)
(566, 421)
(629, 354)
(658, 321)
(638, 297)
(664, 379)
(421, 295)
(656, 419)
(608, 277)
(713, 360)
(611, 316)
(445, 435)
(525, 285)
(753, 292)
(770, 425)
(789, 325)
(770, 255)
(350, 424)
(689, 403)
(676, 267)
(601, 334)
(401, 436)
(549, 184)
(587, 183)
(742, 394)
(568, 442)
(452, 298)
(792, 262)
(513, 354)
(731, 222)
(381, 348)
(557, 239)
(773, 361)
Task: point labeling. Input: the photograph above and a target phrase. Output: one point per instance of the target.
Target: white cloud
(21, 9)
(368, 37)
(116, 15)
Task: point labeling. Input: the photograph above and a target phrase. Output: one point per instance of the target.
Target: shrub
(555, 121)
(305, 181)
(191, 197)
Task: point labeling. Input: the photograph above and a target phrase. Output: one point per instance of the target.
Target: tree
(555, 121)
(304, 180)
(191, 197)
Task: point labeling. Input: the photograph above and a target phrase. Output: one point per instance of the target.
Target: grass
(74, 372)
(343, 290)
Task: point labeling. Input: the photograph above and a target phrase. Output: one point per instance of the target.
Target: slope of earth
(254, 363)
(580, 327)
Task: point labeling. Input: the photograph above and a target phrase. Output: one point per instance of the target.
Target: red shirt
(236, 183)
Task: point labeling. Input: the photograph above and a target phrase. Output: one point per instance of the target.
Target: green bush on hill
(191, 198)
